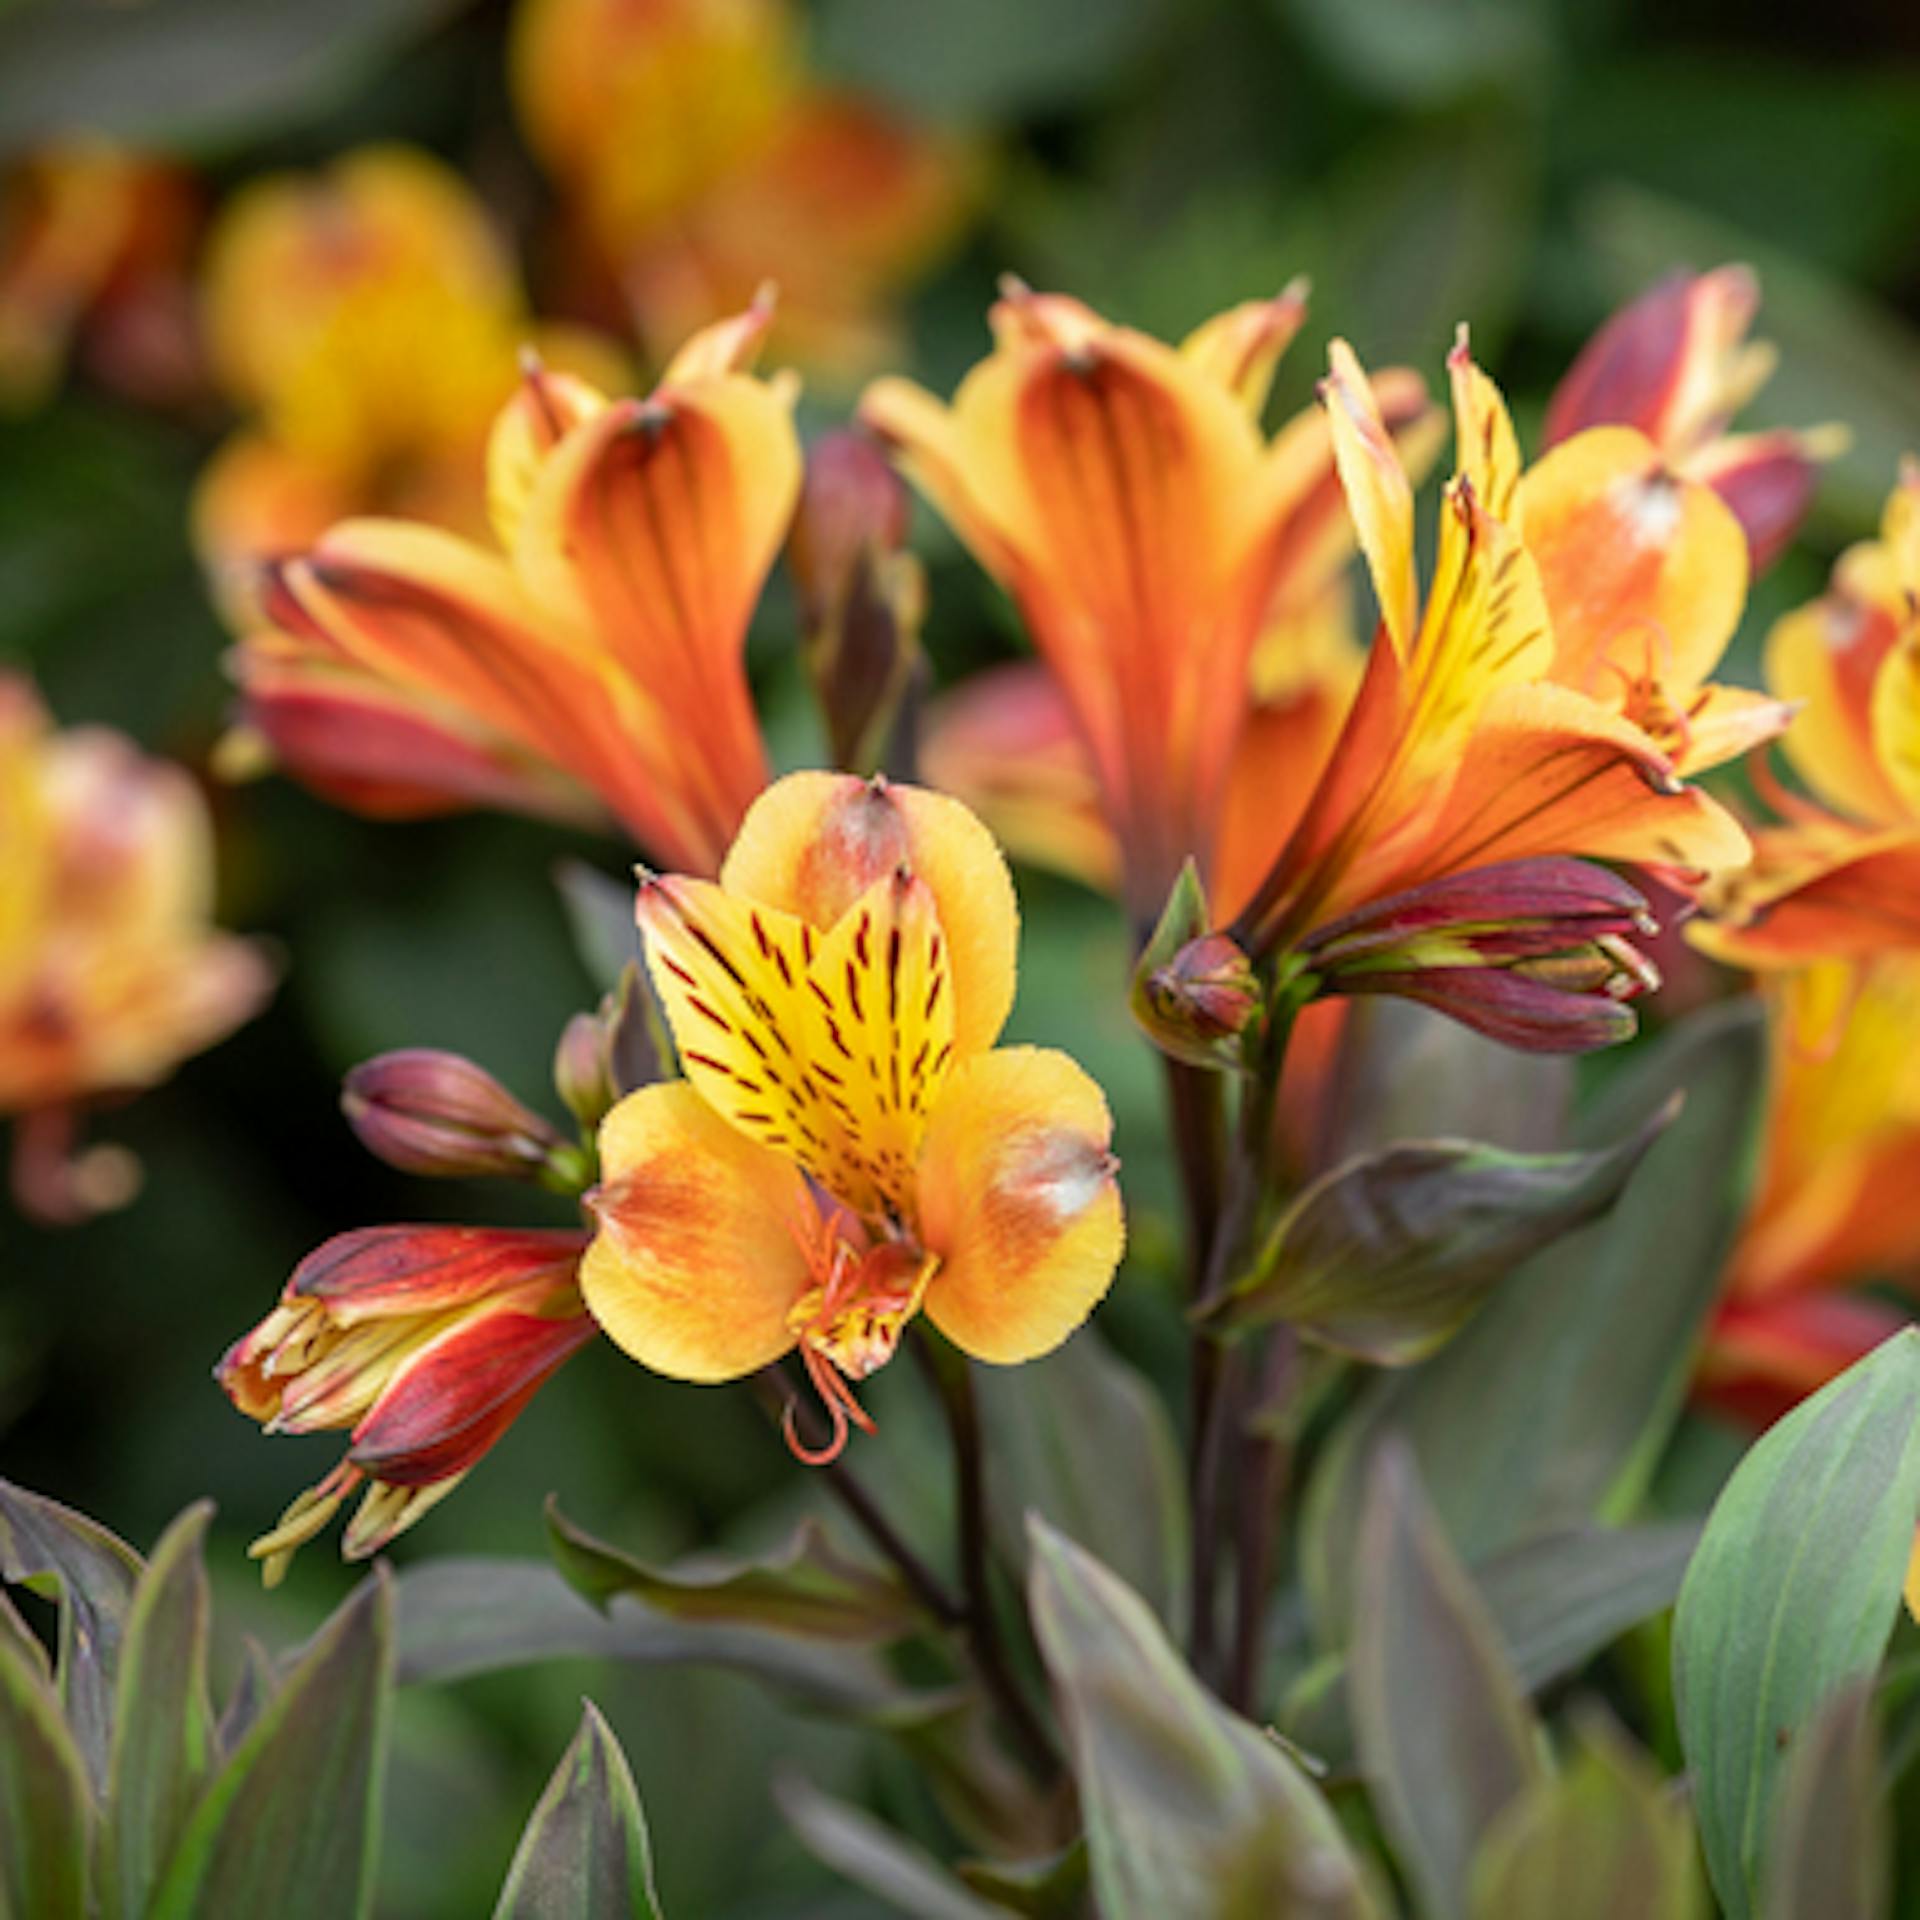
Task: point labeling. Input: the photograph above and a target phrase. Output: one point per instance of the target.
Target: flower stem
(1260, 1482)
(776, 1394)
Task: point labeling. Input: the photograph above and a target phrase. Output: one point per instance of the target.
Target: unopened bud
(1195, 992)
(609, 1053)
(861, 596)
(436, 1113)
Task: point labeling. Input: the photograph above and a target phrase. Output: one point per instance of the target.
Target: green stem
(1260, 1481)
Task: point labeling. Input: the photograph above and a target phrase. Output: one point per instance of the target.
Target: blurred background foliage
(1522, 164)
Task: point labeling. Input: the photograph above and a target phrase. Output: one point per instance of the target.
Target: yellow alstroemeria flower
(1839, 878)
(111, 971)
(849, 1148)
(368, 320)
(595, 653)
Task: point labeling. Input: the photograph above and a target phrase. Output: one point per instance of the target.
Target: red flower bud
(604, 1055)
(1207, 991)
(436, 1113)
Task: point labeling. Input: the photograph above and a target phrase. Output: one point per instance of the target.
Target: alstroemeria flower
(1123, 492)
(1676, 365)
(1840, 877)
(749, 170)
(849, 1148)
(596, 653)
(424, 1344)
(111, 970)
(1459, 750)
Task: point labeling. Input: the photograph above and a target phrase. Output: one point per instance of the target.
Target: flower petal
(814, 843)
(1241, 347)
(1378, 494)
(1019, 1200)
(697, 1262)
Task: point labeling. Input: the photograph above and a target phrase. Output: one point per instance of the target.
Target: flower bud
(861, 597)
(1534, 953)
(436, 1113)
(605, 1055)
(1195, 993)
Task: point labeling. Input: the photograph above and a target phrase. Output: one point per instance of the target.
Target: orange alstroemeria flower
(111, 971)
(595, 654)
(95, 252)
(849, 1147)
(1461, 750)
(425, 1344)
(749, 170)
(1676, 364)
(1123, 492)
(1840, 876)
(368, 320)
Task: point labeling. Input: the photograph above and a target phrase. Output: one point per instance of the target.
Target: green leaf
(1387, 1257)
(1055, 1888)
(91, 1572)
(43, 1801)
(163, 1719)
(1443, 1731)
(1082, 1438)
(1190, 1809)
(1600, 1841)
(1791, 1597)
(585, 1851)
(808, 1587)
(191, 72)
(462, 1616)
(257, 1683)
(289, 1826)
(1551, 1408)
(1828, 1856)
(872, 1855)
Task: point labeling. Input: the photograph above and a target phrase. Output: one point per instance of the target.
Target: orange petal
(1715, 725)
(696, 1263)
(814, 843)
(1378, 494)
(1241, 347)
(1848, 898)
(1547, 771)
(1645, 572)
(926, 442)
(546, 406)
(1895, 716)
(1019, 1200)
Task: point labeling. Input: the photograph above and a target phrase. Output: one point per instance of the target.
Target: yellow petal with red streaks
(1018, 1198)
(1486, 449)
(1241, 347)
(1548, 771)
(1379, 497)
(814, 843)
(1645, 572)
(697, 1261)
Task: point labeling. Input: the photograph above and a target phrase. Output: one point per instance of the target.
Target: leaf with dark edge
(1828, 1859)
(1601, 1840)
(870, 1854)
(1444, 1735)
(21, 1639)
(289, 1826)
(1791, 1598)
(64, 1556)
(1190, 1809)
(163, 1720)
(585, 1851)
(1387, 1257)
(43, 1801)
(1550, 1409)
(461, 1616)
(808, 1587)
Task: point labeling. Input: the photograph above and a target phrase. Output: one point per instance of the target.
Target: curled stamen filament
(842, 1409)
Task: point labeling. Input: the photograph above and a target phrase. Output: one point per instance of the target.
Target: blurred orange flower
(747, 169)
(368, 320)
(425, 1343)
(111, 972)
(95, 258)
(849, 1146)
(593, 657)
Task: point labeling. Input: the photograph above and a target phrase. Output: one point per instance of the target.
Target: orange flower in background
(1123, 492)
(747, 170)
(593, 656)
(425, 1343)
(111, 972)
(95, 253)
(368, 320)
(1461, 751)
(1676, 365)
(849, 1147)
(1839, 877)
